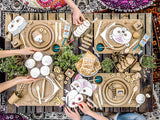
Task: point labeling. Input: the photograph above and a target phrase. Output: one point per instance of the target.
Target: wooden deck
(147, 106)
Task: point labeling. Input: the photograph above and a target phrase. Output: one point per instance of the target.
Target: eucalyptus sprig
(66, 59)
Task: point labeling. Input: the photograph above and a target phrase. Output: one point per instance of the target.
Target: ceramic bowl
(45, 70)
(35, 72)
(38, 56)
(47, 60)
(30, 63)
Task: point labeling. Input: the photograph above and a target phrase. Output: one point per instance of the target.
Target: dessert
(30, 63)
(35, 72)
(37, 36)
(47, 60)
(45, 70)
(38, 56)
(121, 35)
(88, 64)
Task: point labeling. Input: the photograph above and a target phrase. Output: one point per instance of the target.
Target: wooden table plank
(21, 109)
(116, 16)
(59, 16)
(106, 16)
(142, 17)
(50, 16)
(10, 108)
(43, 16)
(148, 104)
(132, 16)
(149, 51)
(68, 17)
(99, 16)
(35, 16)
(9, 92)
(149, 32)
(8, 19)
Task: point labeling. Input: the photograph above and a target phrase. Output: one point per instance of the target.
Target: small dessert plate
(45, 70)
(30, 63)
(38, 56)
(35, 72)
(47, 60)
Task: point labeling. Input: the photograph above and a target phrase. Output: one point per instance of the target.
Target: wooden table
(147, 106)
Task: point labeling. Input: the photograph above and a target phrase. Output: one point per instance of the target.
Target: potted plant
(66, 59)
(147, 61)
(107, 65)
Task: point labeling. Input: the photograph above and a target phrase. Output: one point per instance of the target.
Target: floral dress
(44, 4)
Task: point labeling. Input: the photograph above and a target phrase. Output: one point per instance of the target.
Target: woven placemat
(51, 24)
(27, 100)
(99, 40)
(122, 76)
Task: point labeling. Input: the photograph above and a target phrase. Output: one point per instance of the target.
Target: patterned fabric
(127, 5)
(8, 116)
(44, 4)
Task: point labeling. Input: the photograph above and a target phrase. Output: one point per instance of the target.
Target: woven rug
(127, 5)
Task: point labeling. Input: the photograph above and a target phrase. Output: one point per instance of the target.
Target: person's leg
(130, 116)
(87, 117)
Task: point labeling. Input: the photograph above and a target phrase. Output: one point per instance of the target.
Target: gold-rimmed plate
(47, 36)
(49, 88)
(108, 91)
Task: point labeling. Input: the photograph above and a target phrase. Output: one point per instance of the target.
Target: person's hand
(84, 107)
(72, 115)
(27, 51)
(76, 16)
(25, 80)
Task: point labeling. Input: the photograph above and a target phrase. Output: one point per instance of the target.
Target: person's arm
(72, 115)
(76, 12)
(8, 53)
(86, 110)
(24, 51)
(18, 80)
(71, 4)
